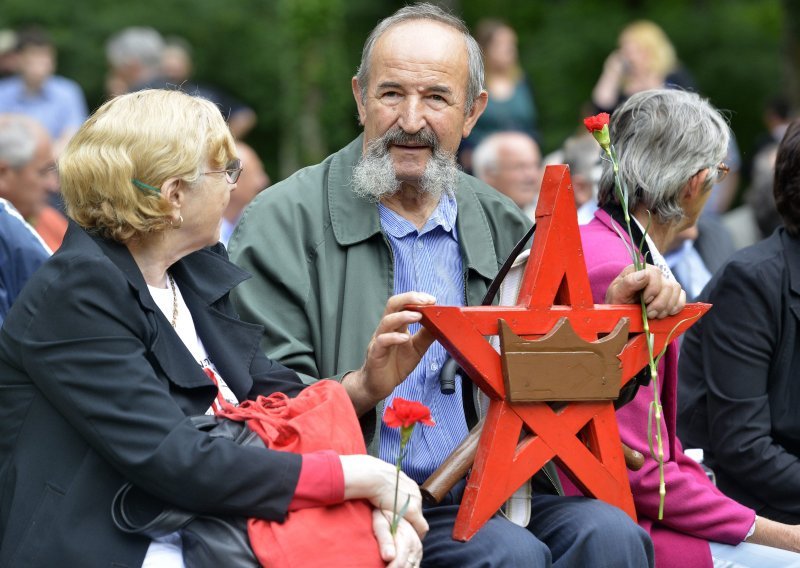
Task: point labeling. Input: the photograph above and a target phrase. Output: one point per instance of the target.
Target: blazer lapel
(230, 343)
(167, 351)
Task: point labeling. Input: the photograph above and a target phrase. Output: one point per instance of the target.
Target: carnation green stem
(394, 524)
(638, 263)
(405, 435)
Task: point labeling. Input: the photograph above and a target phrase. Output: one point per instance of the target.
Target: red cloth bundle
(319, 418)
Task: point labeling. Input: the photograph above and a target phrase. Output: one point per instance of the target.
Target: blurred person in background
(27, 175)
(512, 164)
(776, 116)
(582, 155)
(134, 57)
(757, 217)
(176, 73)
(56, 102)
(253, 180)
(646, 59)
(511, 103)
(8, 52)
(696, 253)
(22, 251)
(761, 195)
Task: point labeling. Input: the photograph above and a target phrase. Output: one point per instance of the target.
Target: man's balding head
(432, 13)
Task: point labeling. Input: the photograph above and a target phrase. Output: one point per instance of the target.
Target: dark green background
(291, 60)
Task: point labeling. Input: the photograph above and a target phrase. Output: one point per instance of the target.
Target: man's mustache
(398, 137)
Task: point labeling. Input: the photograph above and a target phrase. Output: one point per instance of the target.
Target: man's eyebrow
(440, 89)
(389, 85)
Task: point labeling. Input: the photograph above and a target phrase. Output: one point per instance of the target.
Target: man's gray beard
(374, 177)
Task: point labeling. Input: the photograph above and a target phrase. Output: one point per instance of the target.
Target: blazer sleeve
(85, 346)
(740, 341)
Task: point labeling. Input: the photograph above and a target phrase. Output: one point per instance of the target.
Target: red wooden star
(582, 437)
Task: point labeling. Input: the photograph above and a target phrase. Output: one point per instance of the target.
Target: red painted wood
(582, 437)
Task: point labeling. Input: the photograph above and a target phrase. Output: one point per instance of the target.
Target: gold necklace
(174, 301)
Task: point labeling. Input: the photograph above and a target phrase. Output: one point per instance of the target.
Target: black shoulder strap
(491, 292)
(449, 369)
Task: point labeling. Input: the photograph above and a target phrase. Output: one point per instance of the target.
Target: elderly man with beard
(387, 221)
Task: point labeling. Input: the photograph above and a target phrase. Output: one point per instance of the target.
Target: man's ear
(362, 112)
(475, 113)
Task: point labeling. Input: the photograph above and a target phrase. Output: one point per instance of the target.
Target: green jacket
(324, 269)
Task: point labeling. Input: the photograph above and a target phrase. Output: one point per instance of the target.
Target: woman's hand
(402, 550)
(605, 94)
(661, 296)
(392, 353)
(366, 477)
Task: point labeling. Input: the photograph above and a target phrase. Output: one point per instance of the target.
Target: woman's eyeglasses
(232, 171)
(722, 172)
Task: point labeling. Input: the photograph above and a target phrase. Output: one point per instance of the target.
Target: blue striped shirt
(426, 260)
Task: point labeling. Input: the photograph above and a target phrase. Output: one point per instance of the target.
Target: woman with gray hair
(671, 145)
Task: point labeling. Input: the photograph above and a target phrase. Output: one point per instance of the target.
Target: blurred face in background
(26, 186)
(36, 64)
(252, 181)
(176, 65)
(518, 170)
(501, 53)
(636, 57)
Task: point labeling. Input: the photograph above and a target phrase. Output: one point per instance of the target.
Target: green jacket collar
(355, 220)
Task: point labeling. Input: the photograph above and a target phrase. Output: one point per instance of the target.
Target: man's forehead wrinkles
(432, 87)
(417, 77)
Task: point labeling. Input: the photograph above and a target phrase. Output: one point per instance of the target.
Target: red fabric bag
(321, 417)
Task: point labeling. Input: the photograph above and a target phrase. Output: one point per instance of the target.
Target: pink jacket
(695, 511)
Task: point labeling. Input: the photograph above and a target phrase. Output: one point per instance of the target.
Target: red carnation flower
(405, 413)
(596, 122)
(598, 126)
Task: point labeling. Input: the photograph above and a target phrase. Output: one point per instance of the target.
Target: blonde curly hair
(148, 136)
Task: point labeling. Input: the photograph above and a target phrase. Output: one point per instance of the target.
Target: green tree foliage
(291, 60)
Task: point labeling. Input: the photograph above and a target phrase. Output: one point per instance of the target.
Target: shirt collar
(657, 258)
(443, 216)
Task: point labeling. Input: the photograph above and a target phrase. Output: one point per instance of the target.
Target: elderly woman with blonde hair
(126, 333)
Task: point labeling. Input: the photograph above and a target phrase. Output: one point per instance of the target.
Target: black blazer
(96, 388)
(739, 378)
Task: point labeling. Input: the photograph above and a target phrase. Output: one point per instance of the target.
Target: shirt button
(434, 366)
(419, 244)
